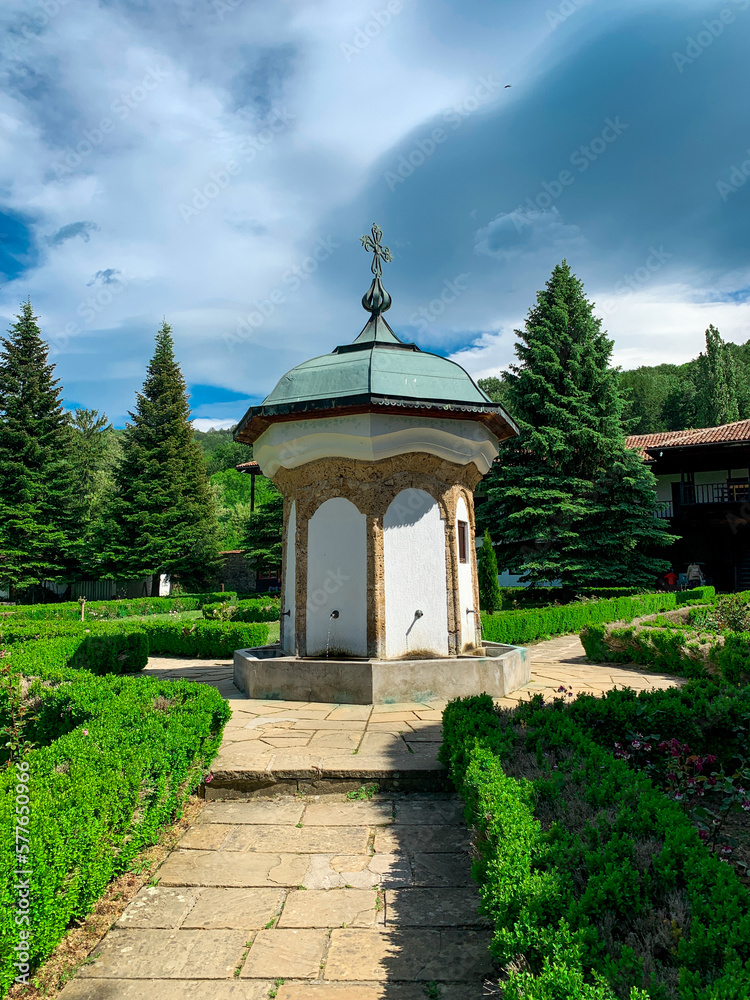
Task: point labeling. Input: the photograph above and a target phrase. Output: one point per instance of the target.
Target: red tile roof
(739, 431)
(248, 467)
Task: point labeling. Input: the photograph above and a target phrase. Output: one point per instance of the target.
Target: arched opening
(337, 580)
(416, 602)
(465, 552)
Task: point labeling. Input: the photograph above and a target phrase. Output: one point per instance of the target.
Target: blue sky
(215, 162)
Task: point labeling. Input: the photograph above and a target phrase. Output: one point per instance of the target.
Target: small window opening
(463, 541)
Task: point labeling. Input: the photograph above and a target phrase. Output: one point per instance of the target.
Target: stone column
(375, 587)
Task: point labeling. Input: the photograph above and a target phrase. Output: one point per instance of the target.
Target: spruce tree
(163, 514)
(548, 491)
(39, 509)
(718, 382)
(490, 595)
(263, 535)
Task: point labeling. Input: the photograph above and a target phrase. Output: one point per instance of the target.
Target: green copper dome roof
(376, 363)
(377, 369)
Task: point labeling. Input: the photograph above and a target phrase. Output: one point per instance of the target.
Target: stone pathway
(343, 900)
(280, 891)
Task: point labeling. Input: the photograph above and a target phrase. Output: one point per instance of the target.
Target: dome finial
(376, 299)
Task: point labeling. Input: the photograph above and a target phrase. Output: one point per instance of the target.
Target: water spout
(418, 614)
(334, 614)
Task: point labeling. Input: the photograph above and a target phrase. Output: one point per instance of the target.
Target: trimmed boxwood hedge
(545, 890)
(164, 637)
(115, 761)
(672, 650)
(518, 627)
(203, 638)
(211, 597)
(106, 610)
(254, 610)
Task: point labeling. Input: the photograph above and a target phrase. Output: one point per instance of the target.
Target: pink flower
(636, 745)
(85, 732)
(746, 805)
(711, 759)
(712, 780)
(209, 777)
(703, 834)
(726, 849)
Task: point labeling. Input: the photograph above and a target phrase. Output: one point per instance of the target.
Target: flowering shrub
(730, 613)
(708, 795)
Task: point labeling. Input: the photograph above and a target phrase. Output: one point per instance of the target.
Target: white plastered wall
(370, 437)
(290, 569)
(337, 580)
(415, 576)
(466, 582)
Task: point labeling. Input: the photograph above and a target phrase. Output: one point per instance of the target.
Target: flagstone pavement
(286, 888)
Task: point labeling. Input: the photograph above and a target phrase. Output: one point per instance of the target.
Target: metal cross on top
(380, 253)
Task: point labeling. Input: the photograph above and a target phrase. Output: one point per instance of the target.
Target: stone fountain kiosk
(377, 448)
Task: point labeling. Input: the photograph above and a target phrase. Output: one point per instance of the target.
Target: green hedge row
(541, 596)
(116, 759)
(163, 637)
(203, 638)
(255, 610)
(106, 610)
(519, 627)
(671, 650)
(566, 906)
(214, 597)
(109, 653)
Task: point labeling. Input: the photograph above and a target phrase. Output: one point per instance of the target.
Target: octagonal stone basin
(266, 673)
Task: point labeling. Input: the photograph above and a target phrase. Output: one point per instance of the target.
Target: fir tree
(263, 536)
(39, 511)
(490, 595)
(718, 382)
(548, 491)
(163, 514)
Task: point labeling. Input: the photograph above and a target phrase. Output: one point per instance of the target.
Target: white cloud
(205, 424)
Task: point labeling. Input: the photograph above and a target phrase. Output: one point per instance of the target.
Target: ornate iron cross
(380, 253)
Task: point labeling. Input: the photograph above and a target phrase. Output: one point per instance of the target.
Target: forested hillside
(712, 389)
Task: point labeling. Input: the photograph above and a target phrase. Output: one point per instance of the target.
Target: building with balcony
(704, 492)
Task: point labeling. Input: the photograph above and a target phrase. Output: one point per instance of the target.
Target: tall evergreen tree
(549, 492)
(39, 509)
(717, 393)
(263, 535)
(163, 514)
(490, 595)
